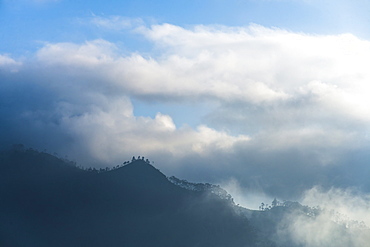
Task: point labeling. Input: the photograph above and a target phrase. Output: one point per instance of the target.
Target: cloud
(115, 23)
(6, 60)
(349, 203)
(289, 110)
(245, 197)
(343, 220)
(90, 122)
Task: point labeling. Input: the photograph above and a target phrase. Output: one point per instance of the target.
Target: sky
(269, 98)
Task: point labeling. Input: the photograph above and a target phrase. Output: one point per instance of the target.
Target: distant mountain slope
(46, 201)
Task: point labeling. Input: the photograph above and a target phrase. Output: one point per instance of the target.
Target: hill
(47, 201)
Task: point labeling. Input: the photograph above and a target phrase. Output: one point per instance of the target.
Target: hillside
(49, 202)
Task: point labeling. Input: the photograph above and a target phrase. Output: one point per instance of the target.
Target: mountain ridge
(48, 202)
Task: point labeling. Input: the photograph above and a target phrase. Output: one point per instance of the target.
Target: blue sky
(268, 98)
(25, 23)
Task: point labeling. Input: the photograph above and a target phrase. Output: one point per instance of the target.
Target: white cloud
(349, 203)
(286, 104)
(110, 134)
(6, 60)
(343, 220)
(254, 65)
(91, 53)
(9, 64)
(245, 197)
(102, 130)
(115, 22)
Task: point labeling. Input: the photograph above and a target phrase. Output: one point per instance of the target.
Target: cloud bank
(289, 110)
(343, 220)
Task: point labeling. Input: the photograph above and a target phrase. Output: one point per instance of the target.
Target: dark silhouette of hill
(46, 201)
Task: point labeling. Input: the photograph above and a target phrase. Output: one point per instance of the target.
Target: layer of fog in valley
(322, 217)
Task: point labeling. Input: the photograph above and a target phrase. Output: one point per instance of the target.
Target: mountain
(46, 201)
